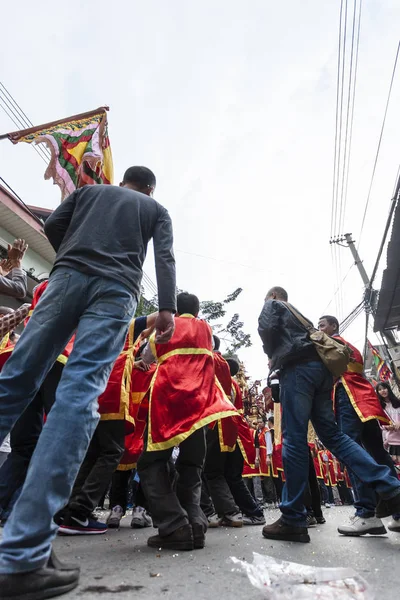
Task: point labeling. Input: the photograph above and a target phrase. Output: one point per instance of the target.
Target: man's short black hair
(331, 321)
(187, 304)
(217, 343)
(141, 177)
(233, 366)
(271, 420)
(280, 292)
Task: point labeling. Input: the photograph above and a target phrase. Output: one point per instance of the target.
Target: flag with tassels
(80, 149)
(382, 370)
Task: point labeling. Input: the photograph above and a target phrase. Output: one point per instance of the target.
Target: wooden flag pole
(14, 136)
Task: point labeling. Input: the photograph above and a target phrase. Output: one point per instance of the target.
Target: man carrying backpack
(306, 394)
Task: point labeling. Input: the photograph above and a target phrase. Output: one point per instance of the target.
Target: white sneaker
(394, 525)
(213, 521)
(362, 526)
(327, 505)
(115, 516)
(140, 518)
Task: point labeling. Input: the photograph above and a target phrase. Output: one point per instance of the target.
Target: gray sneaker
(233, 520)
(140, 518)
(253, 520)
(115, 516)
(213, 521)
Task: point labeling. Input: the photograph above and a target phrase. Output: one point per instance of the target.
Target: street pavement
(119, 566)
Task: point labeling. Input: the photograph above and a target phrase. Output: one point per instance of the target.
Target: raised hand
(16, 252)
(164, 326)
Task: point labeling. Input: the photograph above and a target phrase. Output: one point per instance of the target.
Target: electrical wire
(352, 113)
(346, 135)
(18, 117)
(337, 289)
(379, 145)
(351, 317)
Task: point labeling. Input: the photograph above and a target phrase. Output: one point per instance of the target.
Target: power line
(346, 136)
(352, 112)
(18, 117)
(339, 286)
(379, 144)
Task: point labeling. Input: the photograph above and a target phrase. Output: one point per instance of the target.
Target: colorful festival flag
(382, 369)
(80, 149)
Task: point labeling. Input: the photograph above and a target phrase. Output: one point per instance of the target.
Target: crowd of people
(146, 411)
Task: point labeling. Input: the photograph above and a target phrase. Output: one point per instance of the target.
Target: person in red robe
(359, 415)
(184, 396)
(229, 445)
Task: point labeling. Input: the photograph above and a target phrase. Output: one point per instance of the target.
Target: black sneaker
(311, 520)
(74, 526)
(288, 533)
(320, 520)
(199, 537)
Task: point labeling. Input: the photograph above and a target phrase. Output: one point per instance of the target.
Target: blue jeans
(369, 436)
(98, 310)
(24, 437)
(306, 391)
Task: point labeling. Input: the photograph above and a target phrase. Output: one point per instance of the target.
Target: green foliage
(235, 336)
(146, 307)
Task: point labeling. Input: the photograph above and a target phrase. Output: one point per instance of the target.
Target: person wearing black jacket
(306, 393)
(100, 234)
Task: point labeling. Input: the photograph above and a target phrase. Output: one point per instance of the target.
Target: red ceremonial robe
(359, 390)
(184, 394)
(139, 408)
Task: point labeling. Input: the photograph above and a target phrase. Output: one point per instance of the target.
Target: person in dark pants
(184, 398)
(23, 440)
(312, 497)
(358, 414)
(306, 394)
(101, 460)
(100, 234)
(172, 510)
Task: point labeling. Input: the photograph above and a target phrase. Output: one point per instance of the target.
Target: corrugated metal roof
(388, 310)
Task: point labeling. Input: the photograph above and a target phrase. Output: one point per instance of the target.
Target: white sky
(232, 104)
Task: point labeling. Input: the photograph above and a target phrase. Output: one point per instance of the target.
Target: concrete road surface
(119, 565)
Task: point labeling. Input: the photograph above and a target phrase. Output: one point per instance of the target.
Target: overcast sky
(232, 104)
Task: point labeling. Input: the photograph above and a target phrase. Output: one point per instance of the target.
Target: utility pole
(346, 241)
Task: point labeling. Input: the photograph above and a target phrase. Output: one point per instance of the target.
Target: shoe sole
(395, 529)
(173, 546)
(303, 537)
(71, 531)
(135, 525)
(374, 531)
(213, 525)
(252, 524)
(114, 525)
(236, 524)
(42, 594)
(199, 543)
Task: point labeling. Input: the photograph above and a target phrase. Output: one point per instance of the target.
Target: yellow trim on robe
(224, 447)
(243, 451)
(178, 439)
(126, 467)
(4, 341)
(184, 351)
(355, 367)
(354, 404)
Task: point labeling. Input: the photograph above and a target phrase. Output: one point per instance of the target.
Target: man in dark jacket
(306, 393)
(100, 234)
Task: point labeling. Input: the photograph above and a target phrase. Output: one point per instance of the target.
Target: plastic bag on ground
(282, 580)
